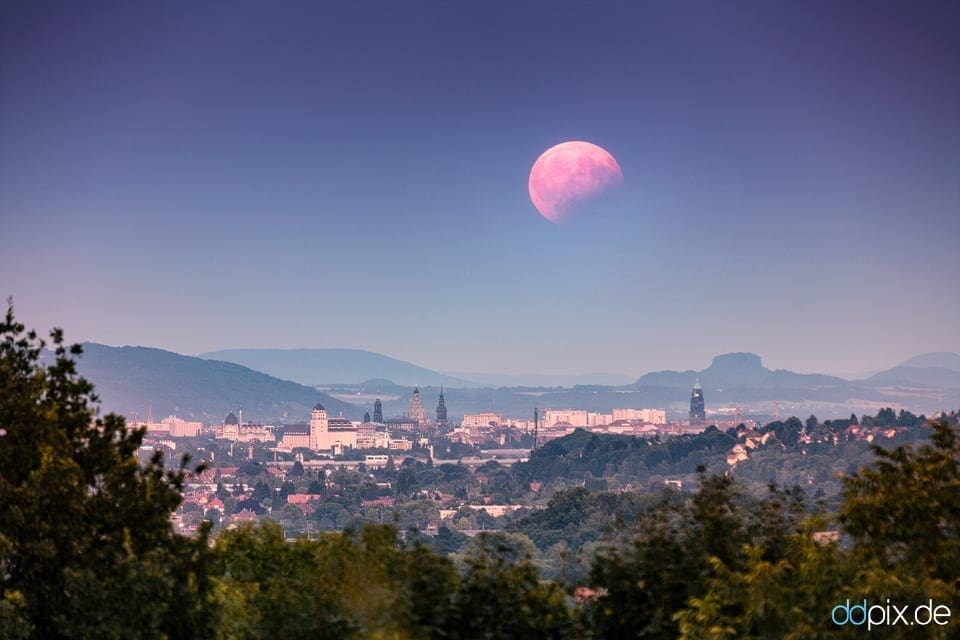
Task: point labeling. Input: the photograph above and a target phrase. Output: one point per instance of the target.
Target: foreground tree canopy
(87, 549)
(86, 544)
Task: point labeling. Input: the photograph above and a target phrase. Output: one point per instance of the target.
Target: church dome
(231, 419)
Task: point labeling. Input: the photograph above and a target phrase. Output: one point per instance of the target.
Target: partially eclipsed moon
(570, 174)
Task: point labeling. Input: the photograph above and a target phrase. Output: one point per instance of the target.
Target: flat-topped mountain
(738, 370)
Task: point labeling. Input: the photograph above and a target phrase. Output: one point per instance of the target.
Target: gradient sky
(196, 176)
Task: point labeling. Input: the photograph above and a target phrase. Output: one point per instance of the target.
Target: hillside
(739, 370)
(128, 378)
(940, 359)
(937, 377)
(545, 379)
(939, 370)
(334, 366)
(789, 452)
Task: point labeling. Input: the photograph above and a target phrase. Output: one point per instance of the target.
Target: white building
(318, 427)
(400, 444)
(321, 434)
(295, 436)
(327, 433)
(232, 429)
(368, 437)
(599, 419)
(573, 417)
(173, 427)
(478, 420)
(649, 416)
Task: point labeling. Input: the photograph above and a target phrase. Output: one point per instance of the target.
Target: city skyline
(196, 178)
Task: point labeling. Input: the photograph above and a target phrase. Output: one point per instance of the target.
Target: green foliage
(644, 578)
(678, 550)
(86, 543)
(779, 597)
(788, 431)
(902, 515)
(448, 540)
(350, 585)
(13, 617)
(501, 595)
(583, 455)
(270, 588)
(577, 516)
(296, 471)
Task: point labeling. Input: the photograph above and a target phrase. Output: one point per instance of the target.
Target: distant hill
(739, 370)
(937, 370)
(128, 378)
(939, 359)
(334, 366)
(916, 377)
(545, 379)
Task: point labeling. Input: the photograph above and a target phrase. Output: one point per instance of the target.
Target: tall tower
(318, 427)
(415, 411)
(441, 411)
(698, 414)
(378, 411)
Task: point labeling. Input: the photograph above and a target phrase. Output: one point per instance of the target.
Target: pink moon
(568, 175)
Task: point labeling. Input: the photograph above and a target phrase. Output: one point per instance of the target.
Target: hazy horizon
(572, 375)
(206, 177)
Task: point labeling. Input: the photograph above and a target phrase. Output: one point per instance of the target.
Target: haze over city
(202, 177)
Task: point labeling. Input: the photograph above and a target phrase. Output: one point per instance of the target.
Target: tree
(356, 584)
(902, 516)
(787, 597)
(904, 512)
(501, 595)
(296, 471)
(430, 581)
(260, 491)
(406, 481)
(271, 588)
(86, 544)
(646, 577)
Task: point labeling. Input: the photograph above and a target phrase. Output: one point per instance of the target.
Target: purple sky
(196, 176)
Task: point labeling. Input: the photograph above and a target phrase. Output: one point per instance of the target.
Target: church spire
(415, 411)
(698, 414)
(441, 411)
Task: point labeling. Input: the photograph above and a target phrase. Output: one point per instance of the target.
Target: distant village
(296, 473)
(327, 437)
(335, 436)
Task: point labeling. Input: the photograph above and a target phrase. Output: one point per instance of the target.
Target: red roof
(245, 515)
